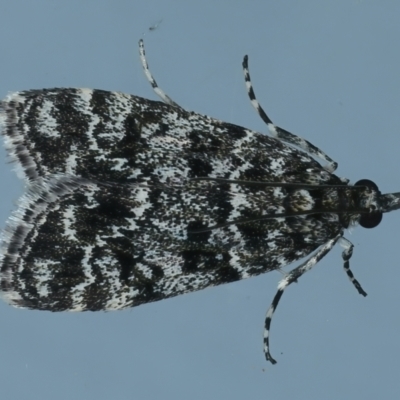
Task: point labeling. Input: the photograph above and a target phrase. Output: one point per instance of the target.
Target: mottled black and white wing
(81, 245)
(120, 138)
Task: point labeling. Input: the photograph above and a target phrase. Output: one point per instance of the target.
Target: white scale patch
(277, 164)
(69, 221)
(71, 164)
(47, 123)
(119, 163)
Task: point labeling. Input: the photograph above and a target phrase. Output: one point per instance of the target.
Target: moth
(131, 201)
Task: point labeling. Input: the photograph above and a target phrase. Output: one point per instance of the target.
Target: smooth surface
(328, 71)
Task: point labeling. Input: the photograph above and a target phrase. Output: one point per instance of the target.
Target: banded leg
(346, 255)
(280, 133)
(291, 277)
(159, 92)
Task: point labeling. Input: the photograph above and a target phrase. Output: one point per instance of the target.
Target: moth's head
(373, 218)
(378, 204)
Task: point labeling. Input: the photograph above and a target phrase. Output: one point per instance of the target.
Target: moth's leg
(346, 255)
(291, 277)
(159, 92)
(280, 133)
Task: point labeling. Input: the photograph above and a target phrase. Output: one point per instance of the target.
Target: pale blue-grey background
(326, 70)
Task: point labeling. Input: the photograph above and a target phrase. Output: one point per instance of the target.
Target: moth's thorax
(334, 200)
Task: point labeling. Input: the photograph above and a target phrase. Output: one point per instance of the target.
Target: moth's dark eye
(370, 220)
(373, 219)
